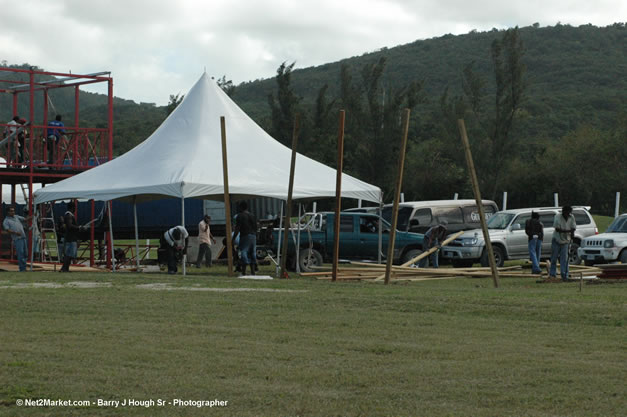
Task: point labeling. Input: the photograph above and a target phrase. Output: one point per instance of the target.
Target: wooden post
(288, 209)
(227, 199)
(477, 192)
(397, 196)
(338, 196)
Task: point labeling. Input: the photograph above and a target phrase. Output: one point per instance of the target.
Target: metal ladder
(48, 237)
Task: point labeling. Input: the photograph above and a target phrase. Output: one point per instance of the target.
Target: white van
(419, 216)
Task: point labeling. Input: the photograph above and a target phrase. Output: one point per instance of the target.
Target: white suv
(607, 247)
(509, 241)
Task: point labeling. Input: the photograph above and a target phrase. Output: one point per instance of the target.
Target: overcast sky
(155, 48)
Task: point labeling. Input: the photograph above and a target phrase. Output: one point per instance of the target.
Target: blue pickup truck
(359, 240)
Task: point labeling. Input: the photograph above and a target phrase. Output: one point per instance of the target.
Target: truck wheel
(411, 254)
(499, 257)
(623, 257)
(462, 263)
(308, 259)
(573, 257)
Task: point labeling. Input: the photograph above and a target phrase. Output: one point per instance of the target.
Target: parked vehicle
(419, 216)
(509, 241)
(359, 239)
(607, 247)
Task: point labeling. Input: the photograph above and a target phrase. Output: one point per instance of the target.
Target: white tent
(183, 159)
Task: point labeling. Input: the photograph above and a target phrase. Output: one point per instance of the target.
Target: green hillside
(567, 112)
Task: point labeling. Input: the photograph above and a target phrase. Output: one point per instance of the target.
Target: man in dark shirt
(535, 232)
(53, 135)
(71, 236)
(433, 238)
(246, 226)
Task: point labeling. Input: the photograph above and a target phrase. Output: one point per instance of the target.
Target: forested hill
(575, 75)
(540, 105)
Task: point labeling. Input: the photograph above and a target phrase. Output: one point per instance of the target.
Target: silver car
(607, 247)
(509, 241)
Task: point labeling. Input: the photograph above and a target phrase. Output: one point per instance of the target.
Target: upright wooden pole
(338, 196)
(227, 199)
(477, 192)
(288, 209)
(397, 196)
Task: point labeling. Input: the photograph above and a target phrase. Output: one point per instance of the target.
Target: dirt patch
(167, 287)
(75, 284)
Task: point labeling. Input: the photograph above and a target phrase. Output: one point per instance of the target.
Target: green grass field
(302, 347)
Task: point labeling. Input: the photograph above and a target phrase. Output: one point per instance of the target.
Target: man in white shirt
(205, 238)
(174, 240)
(13, 224)
(564, 225)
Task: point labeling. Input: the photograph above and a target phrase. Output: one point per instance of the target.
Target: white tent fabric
(183, 159)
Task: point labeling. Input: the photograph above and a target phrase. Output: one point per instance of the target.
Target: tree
(175, 100)
(284, 106)
(496, 122)
(227, 86)
(374, 122)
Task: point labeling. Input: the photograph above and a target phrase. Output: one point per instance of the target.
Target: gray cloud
(160, 47)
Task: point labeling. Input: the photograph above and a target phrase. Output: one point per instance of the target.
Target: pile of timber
(11, 266)
(360, 271)
(613, 271)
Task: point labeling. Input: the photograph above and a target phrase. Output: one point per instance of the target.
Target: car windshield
(499, 220)
(402, 222)
(619, 225)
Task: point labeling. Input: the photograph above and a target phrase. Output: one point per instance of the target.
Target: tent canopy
(183, 159)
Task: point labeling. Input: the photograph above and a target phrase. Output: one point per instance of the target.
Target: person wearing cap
(433, 238)
(565, 226)
(205, 238)
(535, 232)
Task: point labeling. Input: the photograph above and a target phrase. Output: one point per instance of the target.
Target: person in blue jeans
(13, 224)
(433, 238)
(565, 226)
(246, 227)
(535, 232)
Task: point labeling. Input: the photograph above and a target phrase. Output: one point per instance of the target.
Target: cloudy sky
(155, 48)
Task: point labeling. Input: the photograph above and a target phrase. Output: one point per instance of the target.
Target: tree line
(586, 165)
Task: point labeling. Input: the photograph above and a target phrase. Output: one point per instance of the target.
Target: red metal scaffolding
(24, 153)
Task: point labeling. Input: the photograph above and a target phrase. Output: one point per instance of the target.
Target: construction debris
(361, 271)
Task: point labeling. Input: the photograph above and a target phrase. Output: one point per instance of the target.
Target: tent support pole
(278, 251)
(380, 249)
(111, 254)
(288, 208)
(300, 206)
(227, 199)
(183, 224)
(136, 231)
(35, 222)
(338, 196)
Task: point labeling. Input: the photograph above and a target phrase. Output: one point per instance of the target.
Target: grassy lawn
(302, 347)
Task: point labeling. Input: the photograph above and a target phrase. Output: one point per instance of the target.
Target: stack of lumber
(613, 271)
(9, 266)
(360, 271)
